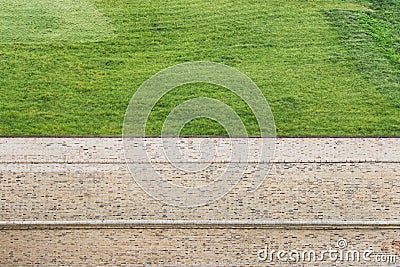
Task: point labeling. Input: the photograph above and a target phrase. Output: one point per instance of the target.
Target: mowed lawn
(70, 67)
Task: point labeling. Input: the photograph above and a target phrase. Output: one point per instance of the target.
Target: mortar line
(183, 162)
(208, 224)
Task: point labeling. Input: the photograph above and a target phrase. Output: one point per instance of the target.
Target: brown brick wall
(172, 247)
(312, 180)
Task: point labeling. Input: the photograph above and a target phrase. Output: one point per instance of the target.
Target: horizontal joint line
(301, 224)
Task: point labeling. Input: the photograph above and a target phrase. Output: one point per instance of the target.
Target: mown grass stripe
(313, 81)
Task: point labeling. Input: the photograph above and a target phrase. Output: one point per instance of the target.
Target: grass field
(325, 67)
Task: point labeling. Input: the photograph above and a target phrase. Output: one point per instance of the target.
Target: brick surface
(86, 179)
(110, 150)
(304, 191)
(185, 247)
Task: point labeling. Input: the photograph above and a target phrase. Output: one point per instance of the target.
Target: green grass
(52, 20)
(325, 67)
(372, 40)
